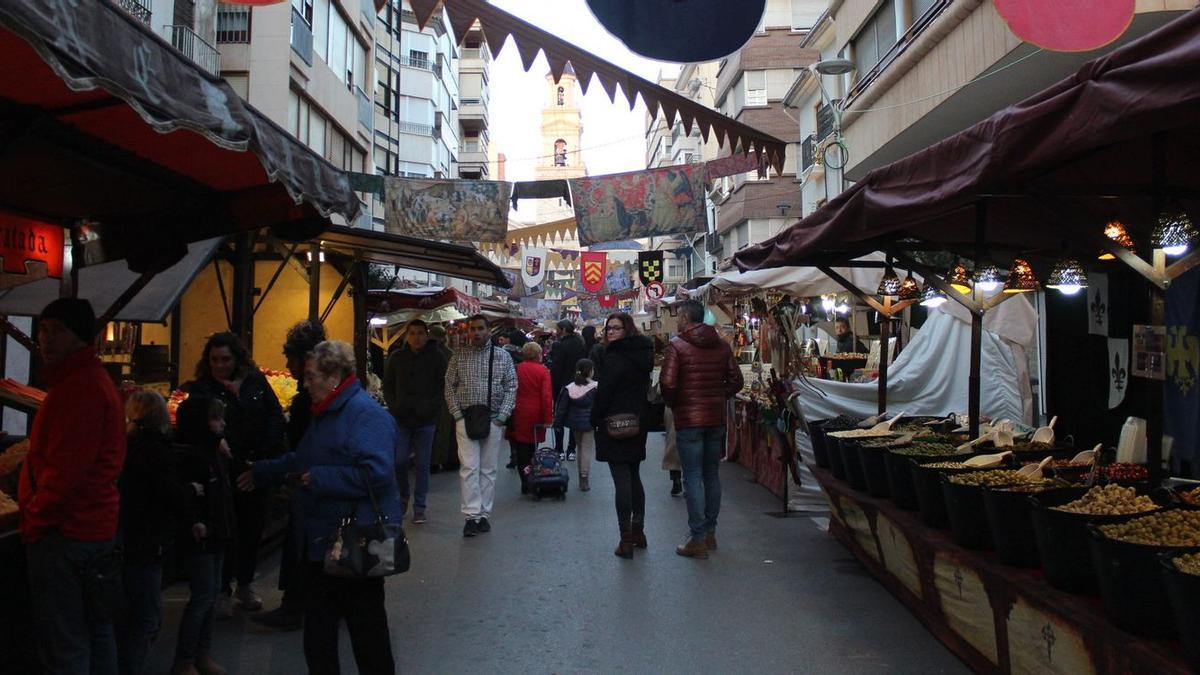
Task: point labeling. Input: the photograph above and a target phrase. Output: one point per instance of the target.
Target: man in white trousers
(481, 391)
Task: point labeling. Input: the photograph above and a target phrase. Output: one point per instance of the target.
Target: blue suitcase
(547, 476)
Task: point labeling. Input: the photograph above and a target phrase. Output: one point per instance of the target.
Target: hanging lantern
(1173, 233)
(933, 296)
(1067, 277)
(958, 278)
(890, 283)
(1116, 231)
(1021, 279)
(988, 277)
(909, 288)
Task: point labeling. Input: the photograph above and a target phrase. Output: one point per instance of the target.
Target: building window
(560, 152)
(561, 96)
(321, 29)
(756, 87)
(418, 59)
(305, 9)
(875, 40)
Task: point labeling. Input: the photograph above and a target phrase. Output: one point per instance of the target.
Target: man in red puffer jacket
(699, 375)
(68, 494)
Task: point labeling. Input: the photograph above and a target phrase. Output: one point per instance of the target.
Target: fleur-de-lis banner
(1098, 304)
(1181, 395)
(1118, 371)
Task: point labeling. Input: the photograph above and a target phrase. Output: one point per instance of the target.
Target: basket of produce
(835, 445)
(963, 494)
(1181, 573)
(927, 483)
(897, 463)
(1007, 508)
(1188, 498)
(1060, 519)
(1126, 558)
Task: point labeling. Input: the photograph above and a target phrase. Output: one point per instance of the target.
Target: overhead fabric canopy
(452, 260)
(103, 284)
(498, 26)
(1038, 172)
(795, 281)
(103, 120)
(421, 299)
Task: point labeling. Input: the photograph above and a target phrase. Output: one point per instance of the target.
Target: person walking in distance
(565, 353)
(412, 387)
(574, 410)
(68, 494)
(699, 376)
(619, 409)
(481, 392)
(535, 408)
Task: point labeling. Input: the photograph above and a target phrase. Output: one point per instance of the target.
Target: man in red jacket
(699, 375)
(68, 495)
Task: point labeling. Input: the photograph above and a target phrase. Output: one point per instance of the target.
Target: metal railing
(423, 64)
(918, 26)
(233, 24)
(366, 113)
(473, 146)
(195, 48)
(470, 101)
(418, 129)
(302, 37)
(137, 9)
(480, 53)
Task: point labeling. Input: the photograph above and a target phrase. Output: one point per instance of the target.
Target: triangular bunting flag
(461, 21)
(610, 86)
(528, 51)
(557, 65)
(496, 37)
(423, 10)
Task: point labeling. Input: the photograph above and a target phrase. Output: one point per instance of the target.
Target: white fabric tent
(930, 376)
(798, 282)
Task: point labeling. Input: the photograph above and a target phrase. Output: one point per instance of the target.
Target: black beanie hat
(74, 313)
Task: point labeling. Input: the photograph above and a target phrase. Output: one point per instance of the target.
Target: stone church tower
(562, 134)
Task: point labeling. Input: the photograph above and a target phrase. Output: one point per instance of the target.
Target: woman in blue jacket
(351, 440)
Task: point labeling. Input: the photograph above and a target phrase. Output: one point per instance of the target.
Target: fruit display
(1167, 528)
(887, 442)
(178, 396)
(992, 477)
(949, 465)
(1188, 564)
(1125, 471)
(7, 504)
(1110, 500)
(283, 384)
(12, 458)
(1191, 496)
(924, 449)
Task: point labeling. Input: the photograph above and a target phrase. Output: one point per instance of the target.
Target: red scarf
(319, 409)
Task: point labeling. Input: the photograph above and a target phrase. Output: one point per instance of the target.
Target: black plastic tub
(1062, 540)
(834, 449)
(901, 488)
(1009, 521)
(1132, 584)
(928, 486)
(1184, 592)
(816, 434)
(873, 461)
(851, 463)
(968, 519)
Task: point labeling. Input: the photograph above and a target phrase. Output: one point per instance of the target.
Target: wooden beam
(932, 277)
(19, 335)
(275, 277)
(997, 299)
(337, 294)
(854, 290)
(314, 282)
(1183, 265)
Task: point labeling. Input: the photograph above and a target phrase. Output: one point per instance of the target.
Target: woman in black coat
(628, 360)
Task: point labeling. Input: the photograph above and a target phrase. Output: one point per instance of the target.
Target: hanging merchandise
(451, 210)
(639, 204)
(1097, 303)
(1181, 395)
(650, 266)
(592, 270)
(533, 268)
(1118, 371)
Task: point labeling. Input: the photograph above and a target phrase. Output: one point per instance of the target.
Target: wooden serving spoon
(1034, 469)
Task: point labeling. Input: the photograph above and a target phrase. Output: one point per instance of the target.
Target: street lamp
(835, 67)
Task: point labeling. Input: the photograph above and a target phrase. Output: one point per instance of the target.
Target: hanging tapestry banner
(1098, 304)
(1118, 371)
(592, 269)
(618, 279)
(731, 165)
(650, 266)
(533, 266)
(452, 210)
(639, 204)
(607, 301)
(1181, 395)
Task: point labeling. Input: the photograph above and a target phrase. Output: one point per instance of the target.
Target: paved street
(543, 593)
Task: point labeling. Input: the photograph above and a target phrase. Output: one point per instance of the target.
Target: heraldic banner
(533, 266)
(639, 204)
(1181, 391)
(453, 210)
(650, 266)
(592, 270)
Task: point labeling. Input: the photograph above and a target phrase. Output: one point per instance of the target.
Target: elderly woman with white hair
(349, 445)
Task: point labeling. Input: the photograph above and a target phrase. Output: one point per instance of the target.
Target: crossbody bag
(477, 419)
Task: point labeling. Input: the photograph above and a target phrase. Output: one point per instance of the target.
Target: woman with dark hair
(628, 361)
(254, 429)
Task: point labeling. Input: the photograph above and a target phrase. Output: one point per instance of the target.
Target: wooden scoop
(1087, 456)
(984, 461)
(887, 426)
(1034, 469)
(1045, 434)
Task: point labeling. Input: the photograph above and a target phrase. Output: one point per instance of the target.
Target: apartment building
(811, 101)
(474, 95)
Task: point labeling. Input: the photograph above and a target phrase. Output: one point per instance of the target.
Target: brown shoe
(639, 535)
(710, 540)
(184, 667)
(625, 548)
(693, 548)
(206, 666)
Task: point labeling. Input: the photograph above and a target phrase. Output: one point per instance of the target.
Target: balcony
(136, 9)
(420, 64)
(476, 54)
(233, 24)
(414, 129)
(195, 48)
(366, 114)
(302, 37)
(473, 113)
(919, 25)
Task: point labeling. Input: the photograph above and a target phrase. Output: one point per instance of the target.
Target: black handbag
(367, 550)
(477, 419)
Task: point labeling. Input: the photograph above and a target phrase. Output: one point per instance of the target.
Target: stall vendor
(845, 341)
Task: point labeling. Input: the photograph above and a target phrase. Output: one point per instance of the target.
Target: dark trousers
(70, 640)
(328, 600)
(195, 627)
(631, 496)
(524, 455)
(241, 558)
(142, 583)
(558, 441)
(290, 575)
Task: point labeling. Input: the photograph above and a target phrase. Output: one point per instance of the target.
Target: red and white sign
(655, 290)
(1067, 25)
(31, 250)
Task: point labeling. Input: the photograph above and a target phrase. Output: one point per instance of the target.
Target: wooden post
(314, 282)
(973, 380)
(362, 329)
(885, 329)
(243, 289)
(1154, 393)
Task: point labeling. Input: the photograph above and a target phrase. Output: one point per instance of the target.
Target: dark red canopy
(101, 119)
(1119, 139)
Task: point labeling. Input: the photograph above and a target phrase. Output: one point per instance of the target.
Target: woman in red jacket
(535, 406)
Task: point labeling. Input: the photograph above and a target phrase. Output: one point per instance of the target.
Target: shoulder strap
(371, 494)
(491, 363)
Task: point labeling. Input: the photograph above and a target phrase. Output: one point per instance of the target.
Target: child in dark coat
(574, 411)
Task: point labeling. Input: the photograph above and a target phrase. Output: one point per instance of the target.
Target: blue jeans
(414, 441)
(69, 641)
(700, 450)
(204, 583)
(143, 591)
